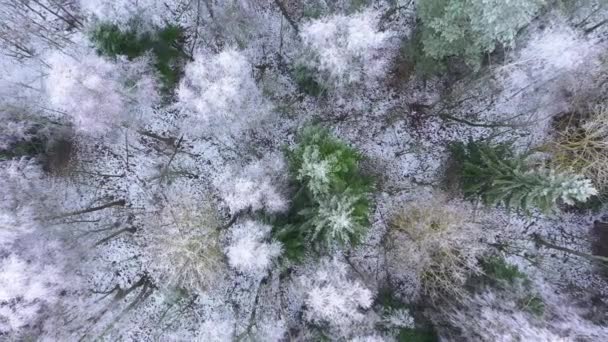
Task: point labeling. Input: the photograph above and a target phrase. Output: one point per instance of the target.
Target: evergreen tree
(497, 176)
(332, 203)
(470, 28)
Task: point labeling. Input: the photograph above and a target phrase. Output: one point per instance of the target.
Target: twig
(117, 203)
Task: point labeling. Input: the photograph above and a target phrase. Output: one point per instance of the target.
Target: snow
(249, 252)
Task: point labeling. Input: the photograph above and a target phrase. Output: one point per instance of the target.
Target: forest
(304, 170)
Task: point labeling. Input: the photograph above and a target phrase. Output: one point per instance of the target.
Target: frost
(348, 48)
(572, 189)
(216, 331)
(333, 298)
(202, 235)
(257, 186)
(183, 244)
(317, 170)
(220, 95)
(98, 94)
(24, 289)
(492, 316)
(371, 338)
(559, 48)
(400, 318)
(121, 11)
(334, 219)
(270, 330)
(250, 251)
(469, 29)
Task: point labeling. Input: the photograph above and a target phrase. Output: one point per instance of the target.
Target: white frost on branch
(183, 240)
(25, 288)
(335, 299)
(349, 48)
(98, 94)
(257, 186)
(250, 250)
(559, 48)
(216, 331)
(496, 316)
(316, 170)
(220, 96)
(121, 11)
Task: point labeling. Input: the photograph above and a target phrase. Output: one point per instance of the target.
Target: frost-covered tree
(220, 96)
(30, 27)
(331, 205)
(163, 45)
(183, 241)
(496, 316)
(23, 189)
(470, 28)
(258, 186)
(433, 248)
(584, 149)
(348, 49)
(98, 94)
(333, 298)
(25, 289)
(494, 174)
(251, 251)
(154, 12)
(335, 219)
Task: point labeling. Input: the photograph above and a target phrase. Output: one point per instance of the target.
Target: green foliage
(498, 270)
(417, 335)
(307, 82)
(23, 148)
(356, 5)
(477, 163)
(388, 301)
(533, 304)
(331, 205)
(470, 28)
(164, 44)
(497, 176)
(412, 52)
(505, 277)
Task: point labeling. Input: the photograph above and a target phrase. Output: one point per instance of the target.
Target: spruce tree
(497, 176)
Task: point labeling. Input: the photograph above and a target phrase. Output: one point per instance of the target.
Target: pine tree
(331, 206)
(470, 28)
(497, 176)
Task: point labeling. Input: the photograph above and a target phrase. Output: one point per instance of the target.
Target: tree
(26, 289)
(584, 149)
(154, 12)
(30, 27)
(494, 315)
(332, 298)
(98, 94)
(250, 250)
(220, 96)
(495, 175)
(471, 28)
(257, 186)
(183, 241)
(433, 248)
(331, 205)
(347, 49)
(164, 44)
